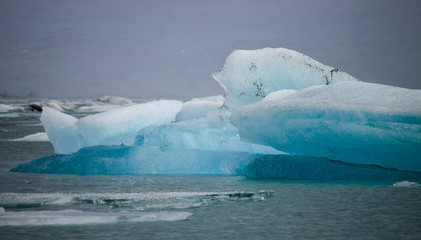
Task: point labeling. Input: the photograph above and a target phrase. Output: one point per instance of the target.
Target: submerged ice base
(118, 160)
(314, 168)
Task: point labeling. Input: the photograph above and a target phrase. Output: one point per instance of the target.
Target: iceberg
(103, 104)
(276, 101)
(209, 145)
(114, 100)
(250, 75)
(354, 122)
(68, 134)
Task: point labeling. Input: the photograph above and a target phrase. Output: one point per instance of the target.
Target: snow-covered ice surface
(250, 75)
(198, 108)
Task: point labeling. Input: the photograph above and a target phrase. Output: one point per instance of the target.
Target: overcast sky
(170, 48)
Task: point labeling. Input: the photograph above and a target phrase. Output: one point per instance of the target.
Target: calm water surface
(43, 206)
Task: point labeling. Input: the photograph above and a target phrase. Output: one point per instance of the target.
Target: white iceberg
(119, 126)
(250, 75)
(353, 122)
(114, 100)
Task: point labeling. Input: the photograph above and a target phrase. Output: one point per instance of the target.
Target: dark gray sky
(153, 49)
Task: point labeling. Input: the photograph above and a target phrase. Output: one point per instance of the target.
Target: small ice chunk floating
(283, 115)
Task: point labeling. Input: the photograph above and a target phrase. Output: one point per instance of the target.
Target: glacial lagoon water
(45, 206)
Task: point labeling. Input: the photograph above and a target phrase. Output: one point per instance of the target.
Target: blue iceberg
(354, 122)
(283, 115)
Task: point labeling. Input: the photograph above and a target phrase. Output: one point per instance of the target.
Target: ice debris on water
(140, 201)
(36, 137)
(77, 217)
(406, 184)
(276, 101)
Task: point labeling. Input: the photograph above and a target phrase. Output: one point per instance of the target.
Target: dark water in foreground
(43, 206)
